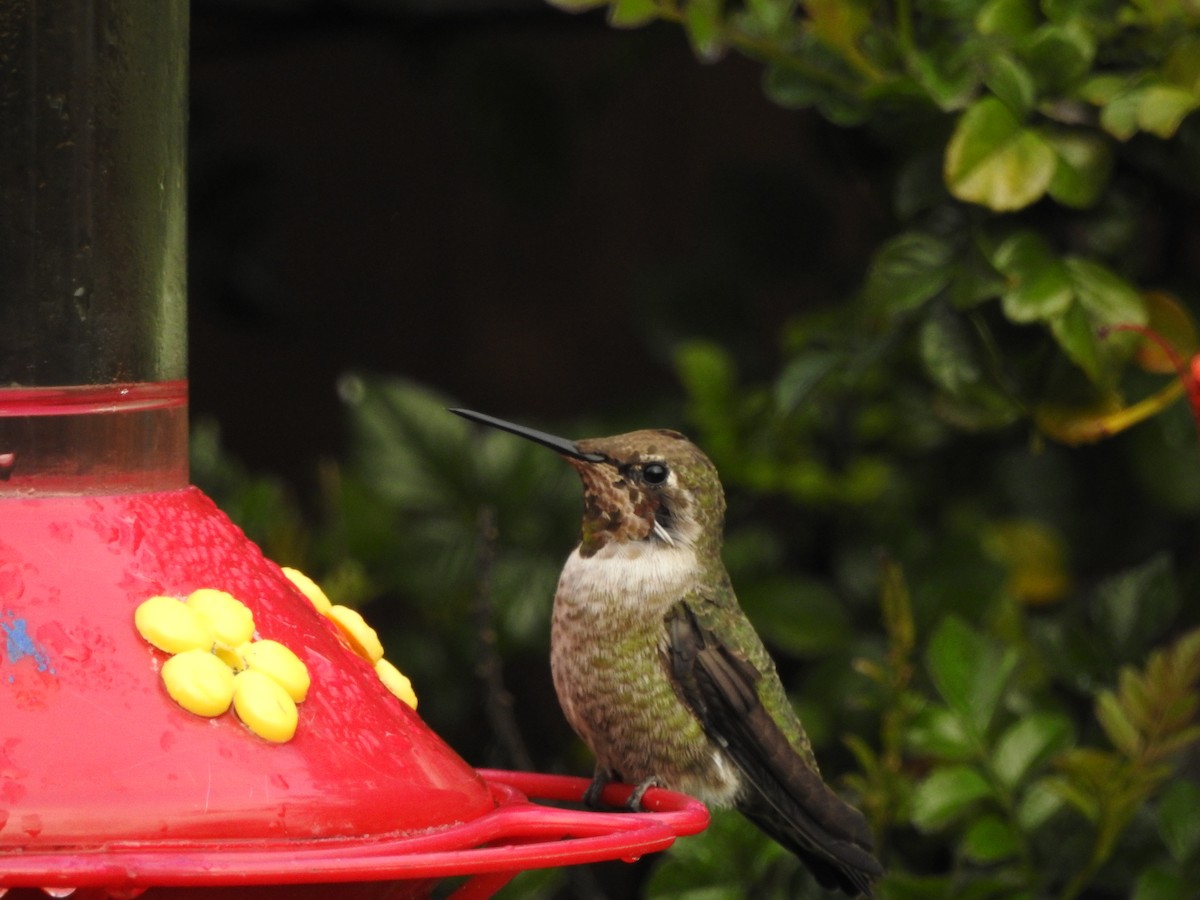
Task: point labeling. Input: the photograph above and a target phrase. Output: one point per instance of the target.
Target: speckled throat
(614, 507)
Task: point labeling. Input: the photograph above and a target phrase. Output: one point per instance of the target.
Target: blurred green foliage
(984, 611)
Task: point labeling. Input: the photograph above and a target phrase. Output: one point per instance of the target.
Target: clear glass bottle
(93, 390)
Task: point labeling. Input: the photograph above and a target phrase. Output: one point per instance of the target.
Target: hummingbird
(658, 669)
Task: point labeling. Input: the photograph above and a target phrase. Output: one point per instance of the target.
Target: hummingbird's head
(654, 486)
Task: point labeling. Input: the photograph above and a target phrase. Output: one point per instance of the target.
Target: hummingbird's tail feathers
(783, 791)
(855, 878)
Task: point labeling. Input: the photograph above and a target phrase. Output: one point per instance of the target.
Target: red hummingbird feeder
(108, 786)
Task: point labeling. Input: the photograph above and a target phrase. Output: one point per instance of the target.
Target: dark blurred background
(399, 205)
(517, 206)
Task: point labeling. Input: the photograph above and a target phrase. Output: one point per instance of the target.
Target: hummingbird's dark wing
(785, 795)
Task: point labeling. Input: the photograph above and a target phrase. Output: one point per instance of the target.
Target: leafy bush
(1029, 143)
(975, 574)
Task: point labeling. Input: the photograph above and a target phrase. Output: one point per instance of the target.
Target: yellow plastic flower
(396, 682)
(172, 626)
(231, 621)
(199, 682)
(362, 637)
(264, 706)
(309, 589)
(279, 663)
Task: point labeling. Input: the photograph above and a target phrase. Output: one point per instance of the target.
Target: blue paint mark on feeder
(20, 645)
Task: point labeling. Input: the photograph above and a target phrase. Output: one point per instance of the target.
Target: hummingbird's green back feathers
(782, 791)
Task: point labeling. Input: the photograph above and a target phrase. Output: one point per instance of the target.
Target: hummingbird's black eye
(655, 473)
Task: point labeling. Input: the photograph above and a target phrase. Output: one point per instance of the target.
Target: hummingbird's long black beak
(557, 444)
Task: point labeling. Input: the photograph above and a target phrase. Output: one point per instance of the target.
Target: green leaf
(771, 14)
(1027, 743)
(970, 671)
(1038, 285)
(793, 89)
(1182, 65)
(1011, 19)
(1133, 692)
(1153, 106)
(975, 281)
(948, 78)
(945, 795)
(1161, 883)
(843, 109)
(802, 375)
(1179, 740)
(1108, 298)
(1135, 607)
(1116, 724)
(1085, 164)
(1076, 336)
(1087, 774)
(1010, 82)
(1038, 803)
(1072, 10)
(895, 602)
(1162, 107)
(710, 379)
(632, 13)
(702, 22)
(1178, 822)
(1101, 90)
(707, 371)
(990, 839)
(1119, 117)
(841, 24)
(1035, 556)
(937, 732)
(1101, 299)
(1059, 56)
(906, 271)
(948, 354)
(994, 161)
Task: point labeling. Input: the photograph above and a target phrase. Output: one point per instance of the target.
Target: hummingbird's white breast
(607, 657)
(647, 576)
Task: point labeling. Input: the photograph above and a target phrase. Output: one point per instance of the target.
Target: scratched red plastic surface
(93, 751)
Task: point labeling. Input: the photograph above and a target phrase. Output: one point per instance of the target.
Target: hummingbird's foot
(634, 803)
(591, 797)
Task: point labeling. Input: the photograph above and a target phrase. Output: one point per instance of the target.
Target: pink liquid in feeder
(106, 438)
